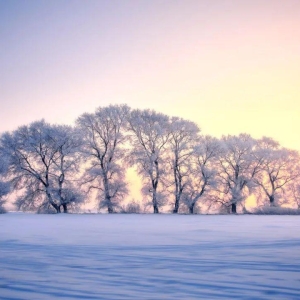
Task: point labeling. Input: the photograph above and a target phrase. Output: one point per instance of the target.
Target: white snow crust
(149, 257)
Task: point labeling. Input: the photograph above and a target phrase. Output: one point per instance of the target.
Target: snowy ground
(149, 257)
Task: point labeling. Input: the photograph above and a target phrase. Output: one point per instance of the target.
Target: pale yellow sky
(230, 66)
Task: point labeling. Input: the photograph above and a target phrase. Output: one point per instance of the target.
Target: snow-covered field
(149, 257)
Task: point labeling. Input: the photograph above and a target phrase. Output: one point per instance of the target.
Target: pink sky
(230, 66)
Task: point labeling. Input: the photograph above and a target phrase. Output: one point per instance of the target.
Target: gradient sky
(230, 66)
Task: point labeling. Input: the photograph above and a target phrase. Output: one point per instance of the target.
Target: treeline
(58, 168)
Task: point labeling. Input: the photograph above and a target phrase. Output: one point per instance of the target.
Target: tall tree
(183, 137)
(150, 134)
(104, 139)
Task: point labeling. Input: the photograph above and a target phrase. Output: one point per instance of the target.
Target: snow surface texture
(149, 257)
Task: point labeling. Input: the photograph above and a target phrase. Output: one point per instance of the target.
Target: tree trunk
(65, 208)
(176, 207)
(233, 208)
(177, 189)
(56, 207)
(191, 208)
(272, 200)
(154, 202)
(110, 209)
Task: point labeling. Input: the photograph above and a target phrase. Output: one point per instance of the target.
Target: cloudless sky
(231, 66)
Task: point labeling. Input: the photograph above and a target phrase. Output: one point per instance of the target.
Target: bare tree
(279, 168)
(183, 137)
(238, 167)
(202, 177)
(104, 140)
(150, 134)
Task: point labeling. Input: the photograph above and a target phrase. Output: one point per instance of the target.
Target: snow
(149, 257)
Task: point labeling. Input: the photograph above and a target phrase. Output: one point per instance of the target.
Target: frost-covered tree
(238, 167)
(182, 139)
(202, 176)
(66, 166)
(279, 168)
(33, 153)
(104, 139)
(150, 134)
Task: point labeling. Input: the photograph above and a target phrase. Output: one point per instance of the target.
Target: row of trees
(57, 167)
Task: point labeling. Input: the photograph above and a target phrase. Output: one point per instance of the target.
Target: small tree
(279, 167)
(294, 193)
(238, 166)
(131, 208)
